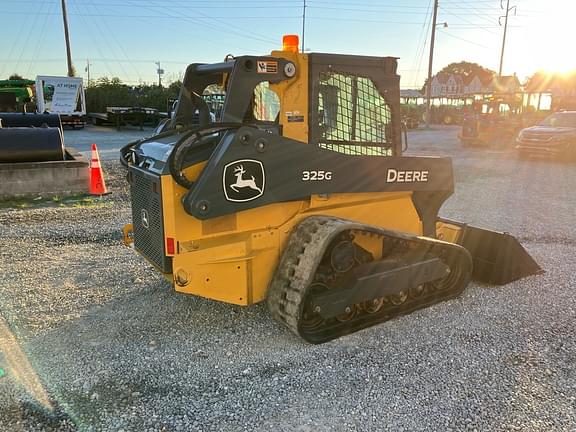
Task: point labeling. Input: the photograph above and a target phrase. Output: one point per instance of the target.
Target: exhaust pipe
(498, 258)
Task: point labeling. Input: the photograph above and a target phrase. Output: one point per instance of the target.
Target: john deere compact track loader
(296, 192)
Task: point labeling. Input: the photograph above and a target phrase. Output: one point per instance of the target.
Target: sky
(125, 38)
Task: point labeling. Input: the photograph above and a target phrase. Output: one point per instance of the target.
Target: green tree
(174, 87)
(107, 92)
(467, 69)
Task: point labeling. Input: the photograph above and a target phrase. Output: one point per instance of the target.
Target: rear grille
(147, 218)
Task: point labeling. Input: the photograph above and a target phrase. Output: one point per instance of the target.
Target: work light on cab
(290, 43)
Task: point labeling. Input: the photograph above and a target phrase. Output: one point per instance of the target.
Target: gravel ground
(93, 339)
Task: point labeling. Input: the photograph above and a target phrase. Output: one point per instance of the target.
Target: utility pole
(67, 36)
(430, 60)
(88, 72)
(303, 23)
(160, 72)
(508, 9)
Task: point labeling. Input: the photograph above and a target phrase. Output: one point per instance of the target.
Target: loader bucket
(498, 258)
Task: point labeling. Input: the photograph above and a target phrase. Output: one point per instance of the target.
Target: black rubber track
(298, 271)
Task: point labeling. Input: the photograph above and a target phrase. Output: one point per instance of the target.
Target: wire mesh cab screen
(349, 113)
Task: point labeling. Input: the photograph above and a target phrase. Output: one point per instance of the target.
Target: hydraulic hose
(185, 143)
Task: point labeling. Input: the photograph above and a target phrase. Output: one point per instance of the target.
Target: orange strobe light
(290, 43)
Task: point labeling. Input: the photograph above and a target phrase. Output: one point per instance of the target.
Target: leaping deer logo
(239, 172)
(243, 180)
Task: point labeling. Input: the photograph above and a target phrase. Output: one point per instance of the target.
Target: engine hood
(550, 130)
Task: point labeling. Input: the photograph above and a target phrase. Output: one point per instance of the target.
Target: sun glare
(547, 48)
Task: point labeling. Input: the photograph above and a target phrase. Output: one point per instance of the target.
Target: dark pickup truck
(554, 137)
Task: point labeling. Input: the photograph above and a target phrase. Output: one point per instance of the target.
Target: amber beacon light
(290, 43)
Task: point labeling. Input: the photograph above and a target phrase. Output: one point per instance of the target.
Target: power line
(95, 43)
(40, 40)
(480, 14)
(24, 25)
(378, 5)
(197, 21)
(224, 29)
(115, 40)
(467, 21)
(423, 49)
(423, 41)
(364, 20)
(101, 59)
(470, 15)
(458, 2)
(419, 42)
(104, 38)
(102, 15)
(465, 40)
(30, 33)
(363, 10)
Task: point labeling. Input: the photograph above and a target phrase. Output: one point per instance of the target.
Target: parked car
(553, 137)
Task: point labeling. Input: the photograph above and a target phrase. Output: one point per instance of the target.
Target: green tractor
(15, 94)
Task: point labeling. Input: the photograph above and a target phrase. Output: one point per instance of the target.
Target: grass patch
(75, 201)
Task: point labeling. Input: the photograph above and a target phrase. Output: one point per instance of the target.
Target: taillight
(170, 246)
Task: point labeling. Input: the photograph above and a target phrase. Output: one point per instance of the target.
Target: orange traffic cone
(97, 184)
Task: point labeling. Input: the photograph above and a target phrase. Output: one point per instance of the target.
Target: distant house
(474, 86)
(447, 85)
(453, 85)
(438, 87)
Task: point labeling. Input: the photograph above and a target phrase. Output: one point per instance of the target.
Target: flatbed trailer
(120, 116)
